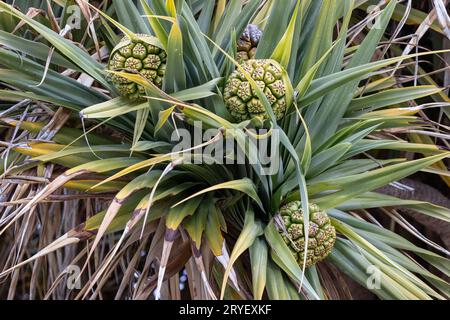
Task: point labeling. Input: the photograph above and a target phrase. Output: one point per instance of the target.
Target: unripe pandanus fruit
(243, 102)
(143, 55)
(322, 234)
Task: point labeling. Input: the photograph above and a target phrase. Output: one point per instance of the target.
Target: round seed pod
(322, 234)
(143, 55)
(242, 101)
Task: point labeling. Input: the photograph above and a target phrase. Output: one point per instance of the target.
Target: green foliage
(337, 121)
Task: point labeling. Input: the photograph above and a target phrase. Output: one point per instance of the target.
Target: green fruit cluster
(242, 101)
(321, 237)
(140, 56)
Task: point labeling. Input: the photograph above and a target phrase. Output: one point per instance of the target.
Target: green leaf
(79, 57)
(277, 20)
(258, 260)
(376, 200)
(251, 230)
(163, 116)
(196, 224)
(171, 8)
(392, 97)
(283, 51)
(285, 260)
(306, 81)
(177, 213)
(406, 279)
(352, 186)
(307, 150)
(34, 49)
(149, 145)
(213, 231)
(324, 85)
(140, 124)
(244, 185)
(202, 91)
(26, 74)
(355, 265)
(277, 286)
(327, 158)
(320, 40)
(130, 17)
(175, 78)
(156, 25)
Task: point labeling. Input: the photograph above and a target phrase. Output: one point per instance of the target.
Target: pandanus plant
(131, 208)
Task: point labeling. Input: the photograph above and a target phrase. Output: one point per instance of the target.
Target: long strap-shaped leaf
(251, 230)
(282, 256)
(408, 281)
(324, 85)
(352, 186)
(244, 185)
(67, 48)
(258, 259)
